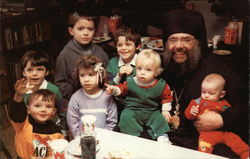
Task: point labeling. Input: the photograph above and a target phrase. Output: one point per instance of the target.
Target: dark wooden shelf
(17, 49)
(35, 30)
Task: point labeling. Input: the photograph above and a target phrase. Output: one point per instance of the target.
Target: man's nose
(179, 44)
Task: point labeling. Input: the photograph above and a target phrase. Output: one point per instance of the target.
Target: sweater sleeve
(62, 112)
(188, 114)
(18, 111)
(167, 95)
(73, 117)
(112, 114)
(62, 78)
(112, 70)
(123, 87)
(99, 52)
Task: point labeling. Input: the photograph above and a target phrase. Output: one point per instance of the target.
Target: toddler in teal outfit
(144, 94)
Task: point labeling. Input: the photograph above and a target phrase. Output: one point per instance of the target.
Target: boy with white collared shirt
(123, 66)
(126, 68)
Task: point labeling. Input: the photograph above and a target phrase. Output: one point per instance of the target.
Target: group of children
(40, 113)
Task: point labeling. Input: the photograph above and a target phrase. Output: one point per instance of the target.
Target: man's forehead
(179, 35)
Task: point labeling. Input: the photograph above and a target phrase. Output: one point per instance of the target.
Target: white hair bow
(99, 69)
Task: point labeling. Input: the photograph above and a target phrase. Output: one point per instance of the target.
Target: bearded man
(187, 61)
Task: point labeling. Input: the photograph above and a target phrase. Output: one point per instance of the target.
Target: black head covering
(185, 21)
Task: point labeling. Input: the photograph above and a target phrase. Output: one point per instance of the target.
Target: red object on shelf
(231, 34)
(113, 23)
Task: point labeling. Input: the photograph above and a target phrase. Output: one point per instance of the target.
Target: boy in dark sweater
(82, 29)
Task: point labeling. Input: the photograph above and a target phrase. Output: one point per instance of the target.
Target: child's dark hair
(92, 62)
(37, 58)
(46, 95)
(128, 33)
(75, 17)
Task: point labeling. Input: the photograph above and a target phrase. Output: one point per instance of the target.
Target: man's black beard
(178, 69)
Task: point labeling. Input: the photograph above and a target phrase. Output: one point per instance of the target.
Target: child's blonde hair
(149, 54)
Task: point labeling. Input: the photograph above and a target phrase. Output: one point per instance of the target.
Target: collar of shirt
(132, 62)
(93, 95)
(43, 86)
(144, 84)
(84, 49)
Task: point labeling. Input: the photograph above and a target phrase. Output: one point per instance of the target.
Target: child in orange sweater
(33, 125)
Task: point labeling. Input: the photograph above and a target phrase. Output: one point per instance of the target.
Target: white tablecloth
(143, 148)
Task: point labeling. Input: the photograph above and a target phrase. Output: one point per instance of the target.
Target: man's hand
(175, 121)
(166, 115)
(208, 121)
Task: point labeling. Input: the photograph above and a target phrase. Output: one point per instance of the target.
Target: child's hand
(195, 110)
(21, 89)
(21, 86)
(109, 88)
(127, 69)
(166, 115)
(113, 90)
(122, 70)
